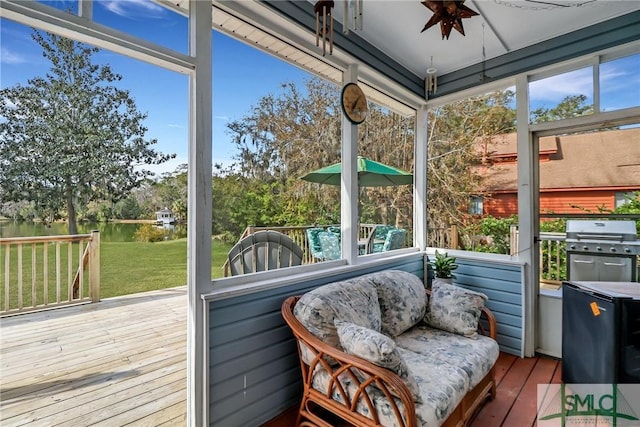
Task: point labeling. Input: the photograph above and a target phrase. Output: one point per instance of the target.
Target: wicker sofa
(381, 350)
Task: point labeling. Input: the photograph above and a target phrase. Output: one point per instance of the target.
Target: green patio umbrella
(370, 174)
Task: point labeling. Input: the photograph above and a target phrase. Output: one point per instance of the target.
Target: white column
(527, 212)
(85, 9)
(420, 180)
(349, 180)
(199, 208)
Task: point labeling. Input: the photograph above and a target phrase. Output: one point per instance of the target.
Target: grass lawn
(131, 267)
(125, 268)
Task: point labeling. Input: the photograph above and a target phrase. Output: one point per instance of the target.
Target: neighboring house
(578, 173)
(165, 216)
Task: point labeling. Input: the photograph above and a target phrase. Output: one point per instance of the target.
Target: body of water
(109, 232)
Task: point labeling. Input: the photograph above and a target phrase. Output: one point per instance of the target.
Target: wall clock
(354, 103)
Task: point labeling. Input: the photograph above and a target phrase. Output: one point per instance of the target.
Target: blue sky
(242, 75)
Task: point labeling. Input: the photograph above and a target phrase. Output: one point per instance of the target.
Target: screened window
(619, 83)
(475, 205)
(562, 96)
(623, 197)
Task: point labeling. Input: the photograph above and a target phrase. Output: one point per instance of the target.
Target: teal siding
(502, 283)
(253, 363)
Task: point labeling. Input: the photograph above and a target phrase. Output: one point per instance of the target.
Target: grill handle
(618, 237)
(614, 264)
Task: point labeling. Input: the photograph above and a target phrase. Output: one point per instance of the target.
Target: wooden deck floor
(516, 398)
(121, 361)
(516, 402)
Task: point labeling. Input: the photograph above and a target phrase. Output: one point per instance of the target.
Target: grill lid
(620, 231)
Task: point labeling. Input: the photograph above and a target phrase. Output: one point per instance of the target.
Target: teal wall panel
(502, 283)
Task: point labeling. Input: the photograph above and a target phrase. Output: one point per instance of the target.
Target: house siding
(501, 205)
(254, 373)
(561, 202)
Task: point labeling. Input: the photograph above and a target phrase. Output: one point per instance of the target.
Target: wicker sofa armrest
(366, 376)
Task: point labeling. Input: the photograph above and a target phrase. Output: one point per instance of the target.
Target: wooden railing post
(94, 266)
(513, 240)
(454, 244)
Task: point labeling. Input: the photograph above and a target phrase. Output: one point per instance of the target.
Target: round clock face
(354, 103)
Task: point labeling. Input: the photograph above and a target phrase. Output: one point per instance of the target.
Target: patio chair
(395, 240)
(314, 242)
(330, 244)
(335, 230)
(380, 236)
(263, 251)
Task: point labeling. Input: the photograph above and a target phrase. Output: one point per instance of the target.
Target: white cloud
(223, 118)
(558, 87)
(172, 165)
(175, 125)
(9, 57)
(166, 167)
(8, 103)
(132, 8)
(615, 78)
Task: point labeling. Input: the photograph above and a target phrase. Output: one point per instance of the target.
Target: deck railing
(297, 233)
(446, 237)
(49, 271)
(553, 260)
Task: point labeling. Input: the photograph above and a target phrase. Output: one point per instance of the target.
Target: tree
(288, 135)
(72, 136)
(570, 106)
(460, 137)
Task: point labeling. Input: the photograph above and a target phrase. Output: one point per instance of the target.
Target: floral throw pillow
(378, 349)
(454, 309)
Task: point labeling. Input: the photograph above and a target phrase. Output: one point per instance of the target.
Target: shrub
(150, 233)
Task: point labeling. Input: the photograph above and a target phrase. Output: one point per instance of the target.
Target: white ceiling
(503, 26)
(285, 29)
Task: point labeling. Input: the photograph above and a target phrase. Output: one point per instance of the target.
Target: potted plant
(443, 266)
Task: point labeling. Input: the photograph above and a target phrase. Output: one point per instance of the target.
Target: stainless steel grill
(602, 250)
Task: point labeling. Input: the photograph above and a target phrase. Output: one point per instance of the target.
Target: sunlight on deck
(117, 362)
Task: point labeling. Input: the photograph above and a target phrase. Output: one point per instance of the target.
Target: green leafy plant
(444, 265)
(149, 233)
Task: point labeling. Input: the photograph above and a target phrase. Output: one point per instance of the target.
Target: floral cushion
(354, 301)
(442, 387)
(474, 357)
(402, 300)
(454, 309)
(377, 349)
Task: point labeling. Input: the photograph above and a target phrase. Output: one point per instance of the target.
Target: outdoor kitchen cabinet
(601, 268)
